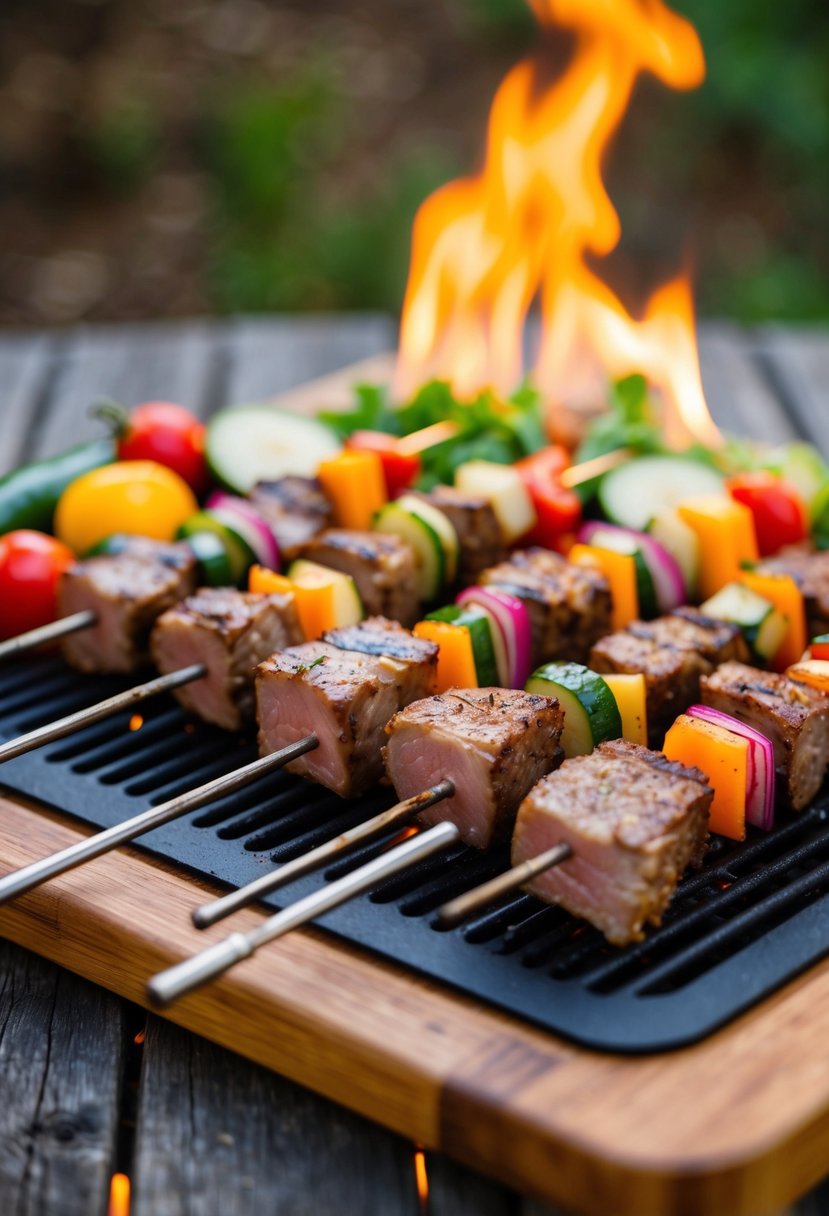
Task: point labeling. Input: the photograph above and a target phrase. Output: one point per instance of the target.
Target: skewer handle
(47, 633)
(20, 881)
(96, 713)
(457, 910)
(208, 914)
(182, 978)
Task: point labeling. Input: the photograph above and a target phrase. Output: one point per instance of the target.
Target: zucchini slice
(431, 536)
(250, 443)
(240, 556)
(211, 558)
(591, 714)
(763, 626)
(635, 492)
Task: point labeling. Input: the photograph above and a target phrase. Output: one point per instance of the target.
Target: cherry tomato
(138, 497)
(30, 566)
(557, 508)
(780, 516)
(400, 469)
(168, 434)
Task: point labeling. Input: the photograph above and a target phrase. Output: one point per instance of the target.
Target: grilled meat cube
(230, 632)
(794, 716)
(672, 675)
(128, 591)
(810, 570)
(492, 743)
(378, 636)
(382, 566)
(690, 629)
(480, 543)
(569, 605)
(345, 697)
(295, 509)
(634, 821)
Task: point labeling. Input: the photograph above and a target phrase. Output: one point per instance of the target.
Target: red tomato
(170, 435)
(558, 509)
(780, 516)
(30, 565)
(400, 469)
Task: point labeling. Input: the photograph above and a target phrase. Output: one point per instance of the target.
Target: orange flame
(484, 248)
(119, 1196)
(421, 1180)
(136, 722)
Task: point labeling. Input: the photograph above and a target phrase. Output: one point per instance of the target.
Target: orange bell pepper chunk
(814, 672)
(723, 758)
(456, 660)
(356, 486)
(725, 529)
(620, 571)
(782, 591)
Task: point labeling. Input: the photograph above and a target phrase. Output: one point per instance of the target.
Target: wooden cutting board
(737, 1125)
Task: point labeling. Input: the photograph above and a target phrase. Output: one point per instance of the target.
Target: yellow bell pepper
(630, 693)
(138, 497)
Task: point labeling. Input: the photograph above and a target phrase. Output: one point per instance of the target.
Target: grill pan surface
(756, 915)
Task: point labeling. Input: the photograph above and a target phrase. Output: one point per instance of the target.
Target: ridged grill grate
(753, 917)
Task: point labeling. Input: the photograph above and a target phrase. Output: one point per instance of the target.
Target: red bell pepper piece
(780, 515)
(558, 509)
(400, 469)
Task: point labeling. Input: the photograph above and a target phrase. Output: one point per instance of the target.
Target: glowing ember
(119, 1196)
(140, 1037)
(421, 1180)
(485, 248)
(136, 722)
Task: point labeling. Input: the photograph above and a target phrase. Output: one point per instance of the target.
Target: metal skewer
(457, 910)
(47, 633)
(217, 909)
(182, 978)
(96, 713)
(24, 879)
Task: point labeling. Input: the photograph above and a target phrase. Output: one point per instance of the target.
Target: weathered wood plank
(266, 357)
(60, 1069)
(131, 364)
(738, 395)
(217, 1134)
(797, 363)
(27, 362)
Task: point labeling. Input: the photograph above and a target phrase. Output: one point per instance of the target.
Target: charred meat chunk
(569, 605)
(810, 570)
(386, 639)
(634, 821)
(690, 629)
(382, 566)
(230, 632)
(480, 543)
(672, 675)
(345, 697)
(128, 591)
(492, 743)
(295, 509)
(793, 716)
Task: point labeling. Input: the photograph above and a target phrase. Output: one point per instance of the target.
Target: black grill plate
(755, 916)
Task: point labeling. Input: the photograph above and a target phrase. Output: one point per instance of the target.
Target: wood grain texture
(26, 368)
(738, 395)
(131, 364)
(217, 1134)
(797, 364)
(60, 1063)
(738, 1124)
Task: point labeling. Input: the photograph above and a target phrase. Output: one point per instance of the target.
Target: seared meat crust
(794, 716)
(634, 821)
(569, 605)
(128, 591)
(690, 629)
(346, 697)
(382, 566)
(479, 534)
(230, 632)
(295, 508)
(378, 636)
(672, 674)
(492, 743)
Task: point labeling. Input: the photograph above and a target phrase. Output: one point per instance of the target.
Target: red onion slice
(250, 525)
(760, 774)
(512, 625)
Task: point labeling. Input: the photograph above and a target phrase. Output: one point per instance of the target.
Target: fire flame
(119, 1196)
(485, 248)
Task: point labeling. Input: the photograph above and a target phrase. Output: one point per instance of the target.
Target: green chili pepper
(29, 495)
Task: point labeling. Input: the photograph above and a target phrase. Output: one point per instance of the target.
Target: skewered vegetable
(642, 489)
(31, 564)
(251, 443)
(139, 497)
(591, 714)
(29, 495)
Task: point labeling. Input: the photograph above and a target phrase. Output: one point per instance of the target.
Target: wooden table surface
(91, 1085)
